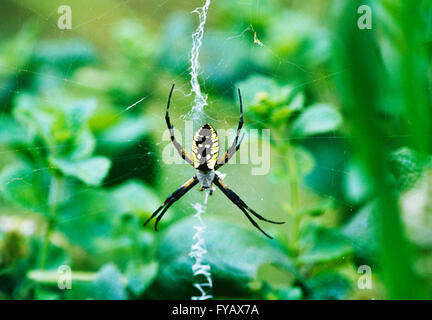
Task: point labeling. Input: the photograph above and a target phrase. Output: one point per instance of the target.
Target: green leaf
(135, 197)
(140, 276)
(125, 133)
(360, 230)
(109, 284)
(318, 209)
(63, 128)
(12, 133)
(78, 113)
(319, 244)
(234, 254)
(305, 164)
(356, 183)
(91, 171)
(317, 119)
(35, 119)
(274, 275)
(65, 55)
(86, 223)
(290, 293)
(282, 113)
(134, 40)
(16, 53)
(329, 286)
(297, 102)
(407, 166)
(299, 38)
(84, 145)
(305, 160)
(258, 89)
(23, 184)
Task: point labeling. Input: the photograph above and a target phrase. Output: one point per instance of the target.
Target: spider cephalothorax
(205, 152)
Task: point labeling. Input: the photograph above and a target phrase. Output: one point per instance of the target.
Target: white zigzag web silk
(200, 100)
(198, 248)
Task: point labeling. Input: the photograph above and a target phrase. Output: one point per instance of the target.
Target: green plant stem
(54, 196)
(362, 87)
(294, 197)
(290, 165)
(45, 247)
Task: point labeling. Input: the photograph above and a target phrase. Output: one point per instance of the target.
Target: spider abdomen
(205, 148)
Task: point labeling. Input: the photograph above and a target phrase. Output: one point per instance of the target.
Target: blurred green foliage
(349, 114)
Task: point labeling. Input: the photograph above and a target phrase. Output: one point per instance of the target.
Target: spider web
(99, 16)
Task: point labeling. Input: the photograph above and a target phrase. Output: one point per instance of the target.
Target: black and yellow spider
(205, 150)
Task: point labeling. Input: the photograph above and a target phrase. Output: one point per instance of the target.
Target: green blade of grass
(361, 86)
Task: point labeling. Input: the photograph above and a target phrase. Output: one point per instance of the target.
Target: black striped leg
(182, 152)
(240, 203)
(176, 195)
(236, 143)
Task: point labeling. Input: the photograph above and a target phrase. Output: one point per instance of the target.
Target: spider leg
(182, 152)
(240, 203)
(236, 143)
(176, 195)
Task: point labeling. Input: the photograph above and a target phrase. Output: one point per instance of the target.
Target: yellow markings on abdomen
(205, 148)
